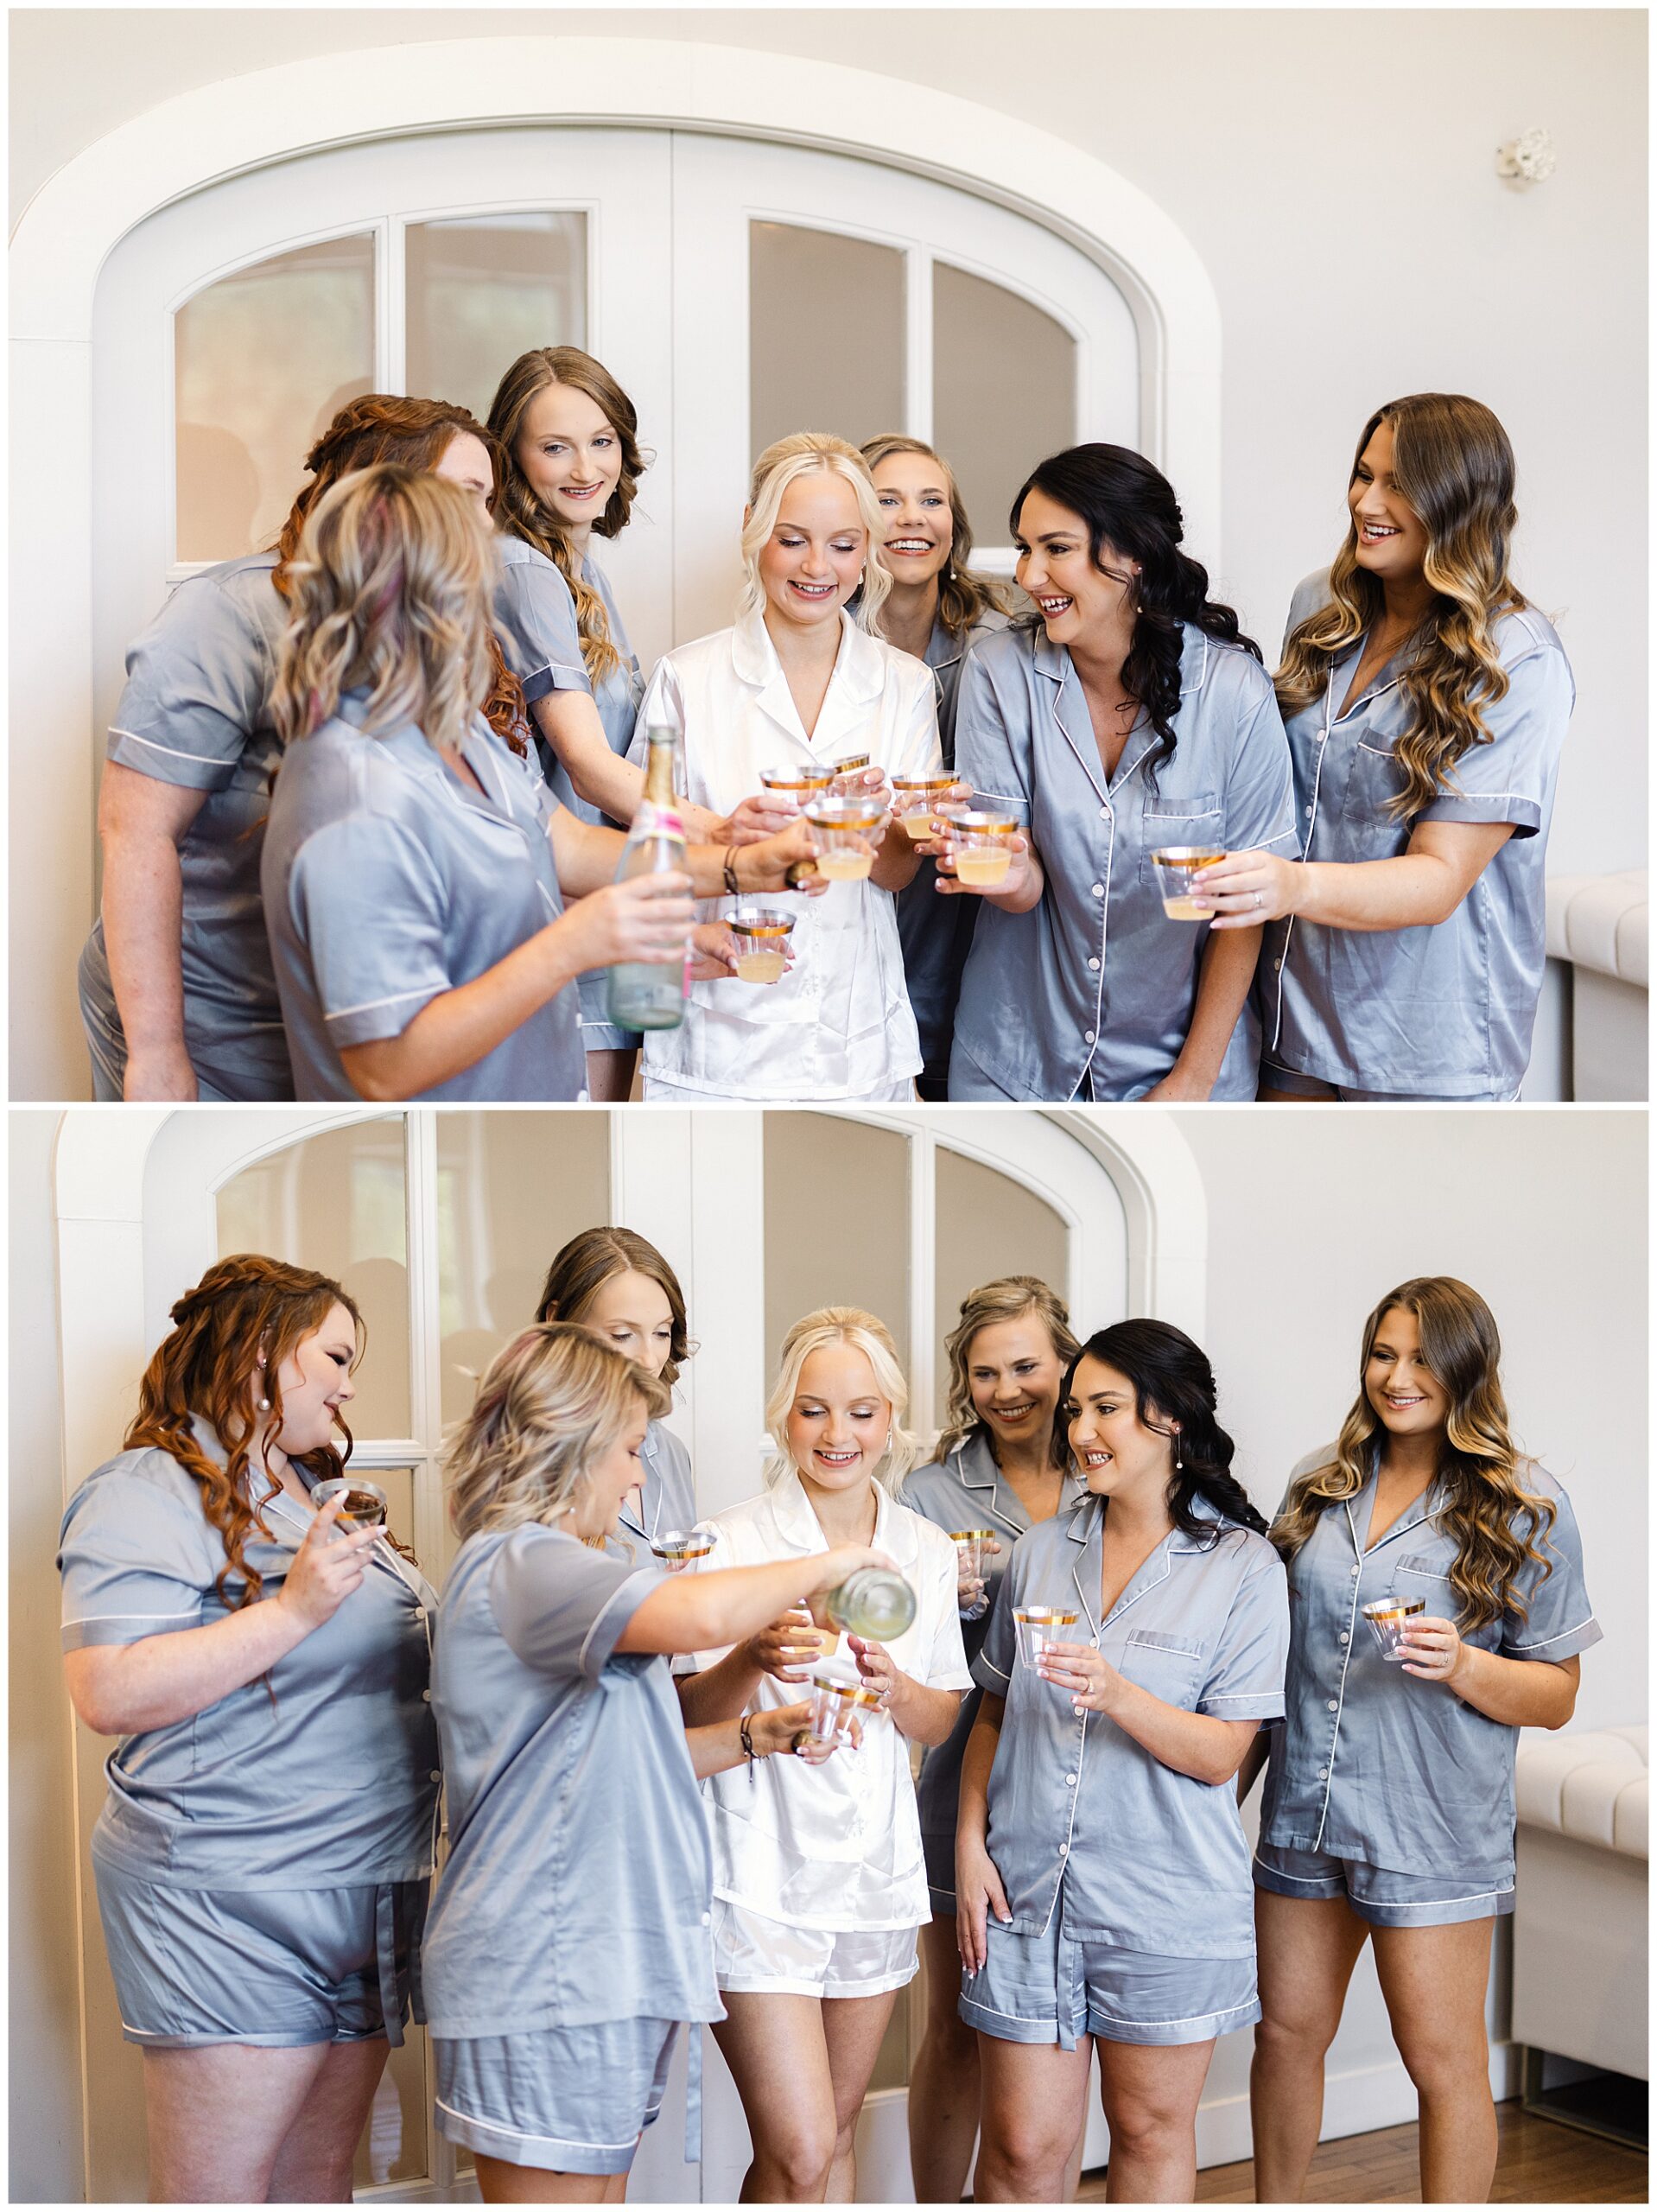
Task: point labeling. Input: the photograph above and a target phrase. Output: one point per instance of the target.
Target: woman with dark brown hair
(1423, 1537)
(1427, 703)
(177, 995)
(263, 1855)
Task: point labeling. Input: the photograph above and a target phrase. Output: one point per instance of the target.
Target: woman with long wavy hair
(264, 1853)
(1000, 1465)
(1427, 703)
(1102, 1875)
(568, 435)
(414, 870)
(568, 1940)
(177, 996)
(803, 678)
(1128, 716)
(1388, 1814)
(937, 610)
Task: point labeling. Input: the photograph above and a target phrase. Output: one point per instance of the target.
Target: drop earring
(1178, 1463)
(263, 1402)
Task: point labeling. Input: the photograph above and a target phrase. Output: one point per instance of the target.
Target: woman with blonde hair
(616, 1283)
(1389, 1816)
(415, 869)
(1001, 1466)
(177, 995)
(260, 1662)
(800, 679)
(1427, 703)
(937, 610)
(568, 435)
(568, 1938)
(819, 1878)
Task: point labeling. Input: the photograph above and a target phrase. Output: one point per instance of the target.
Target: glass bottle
(649, 994)
(876, 1603)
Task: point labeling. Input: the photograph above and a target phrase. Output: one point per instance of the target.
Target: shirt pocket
(1197, 820)
(1375, 779)
(1167, 1666)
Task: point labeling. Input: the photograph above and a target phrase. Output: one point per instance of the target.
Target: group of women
(366, 791)
(645, 1833)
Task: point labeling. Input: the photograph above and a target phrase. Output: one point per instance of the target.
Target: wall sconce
(1528, 159)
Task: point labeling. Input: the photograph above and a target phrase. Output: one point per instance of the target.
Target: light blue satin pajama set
(388, 881)
(1444, 1010)
(196, 713)
(1382, 1787)
(1132, 1911)
(569, 1936)
(936, 932)
(963, 1491)
(535, 621)
(262, 1867)
(1090, 994)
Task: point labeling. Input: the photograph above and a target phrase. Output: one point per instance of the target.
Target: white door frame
(221, 130)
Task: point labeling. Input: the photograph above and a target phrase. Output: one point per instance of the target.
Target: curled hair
(1454, 468)
(521, 510)
(242, 1308)
(1173, 1382)
(1496, 1522)
(1131, 515)
(391, 589)
(1008, 1299)
(811, 453)
(841, 1325)
(553, 1401)
(417, 433)
(582, 1267)
(964, 596)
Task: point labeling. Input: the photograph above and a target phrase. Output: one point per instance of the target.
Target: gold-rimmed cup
(1389, 1619)
(1039, 1625)
(915, 800)
(969, 1550)
(761, 935)
(834, 1704)
(678, 1548)
(1176, 865)
(365, 1505)
(800, 781)
(982, 842)
(848, 830)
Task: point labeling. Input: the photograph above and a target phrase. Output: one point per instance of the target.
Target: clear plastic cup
(849, 765)
(678, 1548)
(1040, 1625)
(969, 1563)
(1388, 1617)
(915, 800)
(799, 781)
(1176, 865)
(982, 844)
(762, 935)
(835, 1703)
(847, 832)
(366, 1504)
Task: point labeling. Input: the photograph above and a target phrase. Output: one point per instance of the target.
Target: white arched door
(441, 1225)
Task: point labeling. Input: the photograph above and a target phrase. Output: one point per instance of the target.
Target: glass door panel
(836, 1223)
(1003, 389)
(481, 289)
(264, 359)
(826, 345)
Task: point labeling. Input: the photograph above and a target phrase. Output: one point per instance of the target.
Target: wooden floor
(1538, 2162)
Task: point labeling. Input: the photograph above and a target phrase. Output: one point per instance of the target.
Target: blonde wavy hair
(390, 587)
(1496, 1524)
(811, 453)
(1009, 1298)
(553, 1401)
(520, 509)
(964, 596)
(841, 1325)
(1453, 465)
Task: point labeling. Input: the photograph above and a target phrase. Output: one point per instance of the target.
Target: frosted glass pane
(826, 327)
(511, 1188)
(988, 1225)
(836, 1223)
(263, 362)
(484, 289)
(336, 1202)
(1003, 392)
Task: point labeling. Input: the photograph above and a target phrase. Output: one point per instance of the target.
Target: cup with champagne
(1176, 865)
(848, 830)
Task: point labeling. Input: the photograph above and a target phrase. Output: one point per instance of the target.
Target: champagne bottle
(648, 993)
(875, 1603)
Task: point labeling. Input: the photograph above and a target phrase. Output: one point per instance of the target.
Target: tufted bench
(1579, 1901)
(1597, 946)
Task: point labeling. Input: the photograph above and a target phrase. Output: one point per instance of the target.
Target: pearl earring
(264, 1403)
(1176, 1458)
